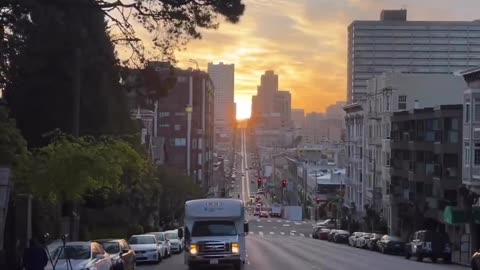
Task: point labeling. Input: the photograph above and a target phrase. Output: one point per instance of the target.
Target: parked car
(390, 244)
(353, 238)
(361, 242)
(82, 255)
(475, 262)
(372, 241)
(263, 214)
(122, 255)
(341, 237)
(164, 242)
(323, 234)
(331, 235)
(147, 248)
(433, 245)
(175, 242)
(328, 223)
(316, 232)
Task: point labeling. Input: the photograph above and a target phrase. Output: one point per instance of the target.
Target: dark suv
(429, 244)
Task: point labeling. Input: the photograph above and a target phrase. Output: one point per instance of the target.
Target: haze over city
(304, 42)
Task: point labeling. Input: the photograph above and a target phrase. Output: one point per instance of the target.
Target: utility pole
(204, 139)
(189, 110)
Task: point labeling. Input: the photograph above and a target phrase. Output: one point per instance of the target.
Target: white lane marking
(310, 235)
(286, 225)
(287, 221)
(301, 234)
(298, 223)
(279, 220)
(304, 222)
(293, 231)
(250, 233)
(292, 234)
(259, 226)
(272, 233)
(282, 233)
(260, 233)
(269, 220)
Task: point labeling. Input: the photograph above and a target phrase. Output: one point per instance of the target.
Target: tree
(46, 71)
(68, 168)
(13, 147)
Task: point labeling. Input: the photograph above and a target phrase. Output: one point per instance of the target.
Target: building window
(467, 154)
(180, 114)
(194, 143)
(388, 103)
(199, 158)
(164, 125)
(402, 102)
(180, 142)
(177, 127)
(476, 155)
(476, 112)
(467, 112)
(200, 143)
(428, 190)
(163, 114)
(387, 159)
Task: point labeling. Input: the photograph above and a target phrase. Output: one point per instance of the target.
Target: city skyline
(305, 42)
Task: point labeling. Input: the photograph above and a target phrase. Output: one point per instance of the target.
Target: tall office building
(271, 108)
(397, 45)
(298, 118)
(223, 76)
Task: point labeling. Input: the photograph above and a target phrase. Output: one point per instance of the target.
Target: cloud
(305, 42)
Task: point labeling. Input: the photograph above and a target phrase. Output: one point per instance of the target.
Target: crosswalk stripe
(260, 233)
(310, 235)
(271, 232)
(282, 233)
(286, 225)
(292, 234)
(278, 220)
(301, 234)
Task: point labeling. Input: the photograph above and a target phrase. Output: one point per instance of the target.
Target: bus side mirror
(245, 227)
(180, 233)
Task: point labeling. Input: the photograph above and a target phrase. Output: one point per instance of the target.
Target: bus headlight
(193, 249)
(235, 248)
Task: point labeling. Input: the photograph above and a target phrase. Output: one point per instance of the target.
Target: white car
(175, 242)
(164, 243)
(80, 255)
(147, 248)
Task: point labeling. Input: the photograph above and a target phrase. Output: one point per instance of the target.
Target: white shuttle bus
(215, 231)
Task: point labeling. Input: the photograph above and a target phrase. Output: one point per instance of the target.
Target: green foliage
(13, 148)
(67, 168)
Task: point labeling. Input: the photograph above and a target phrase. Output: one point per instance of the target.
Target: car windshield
(73, 252)
(111, 247)
(393, 238)
(171, 235)
(158, 235)
(142, 239)
(214, 228)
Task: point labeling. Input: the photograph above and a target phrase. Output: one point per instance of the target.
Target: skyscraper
(223, 76)
(397, 45)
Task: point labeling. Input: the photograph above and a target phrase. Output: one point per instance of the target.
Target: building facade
(397, 45)
(223, 78)
(394, 92)
(426, 167)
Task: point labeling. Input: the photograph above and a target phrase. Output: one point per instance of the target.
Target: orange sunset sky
(305, 42)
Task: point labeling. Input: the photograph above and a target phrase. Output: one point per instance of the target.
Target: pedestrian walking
(35, 257)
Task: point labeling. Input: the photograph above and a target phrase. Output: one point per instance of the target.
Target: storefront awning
(454, 215)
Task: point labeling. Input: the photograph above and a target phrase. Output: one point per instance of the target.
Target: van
(215, 232)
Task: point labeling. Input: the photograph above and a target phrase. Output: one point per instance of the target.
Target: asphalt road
(282, 252)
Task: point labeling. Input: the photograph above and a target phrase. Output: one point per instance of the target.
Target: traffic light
(284, 183)
(259, 182)
(318, 200)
